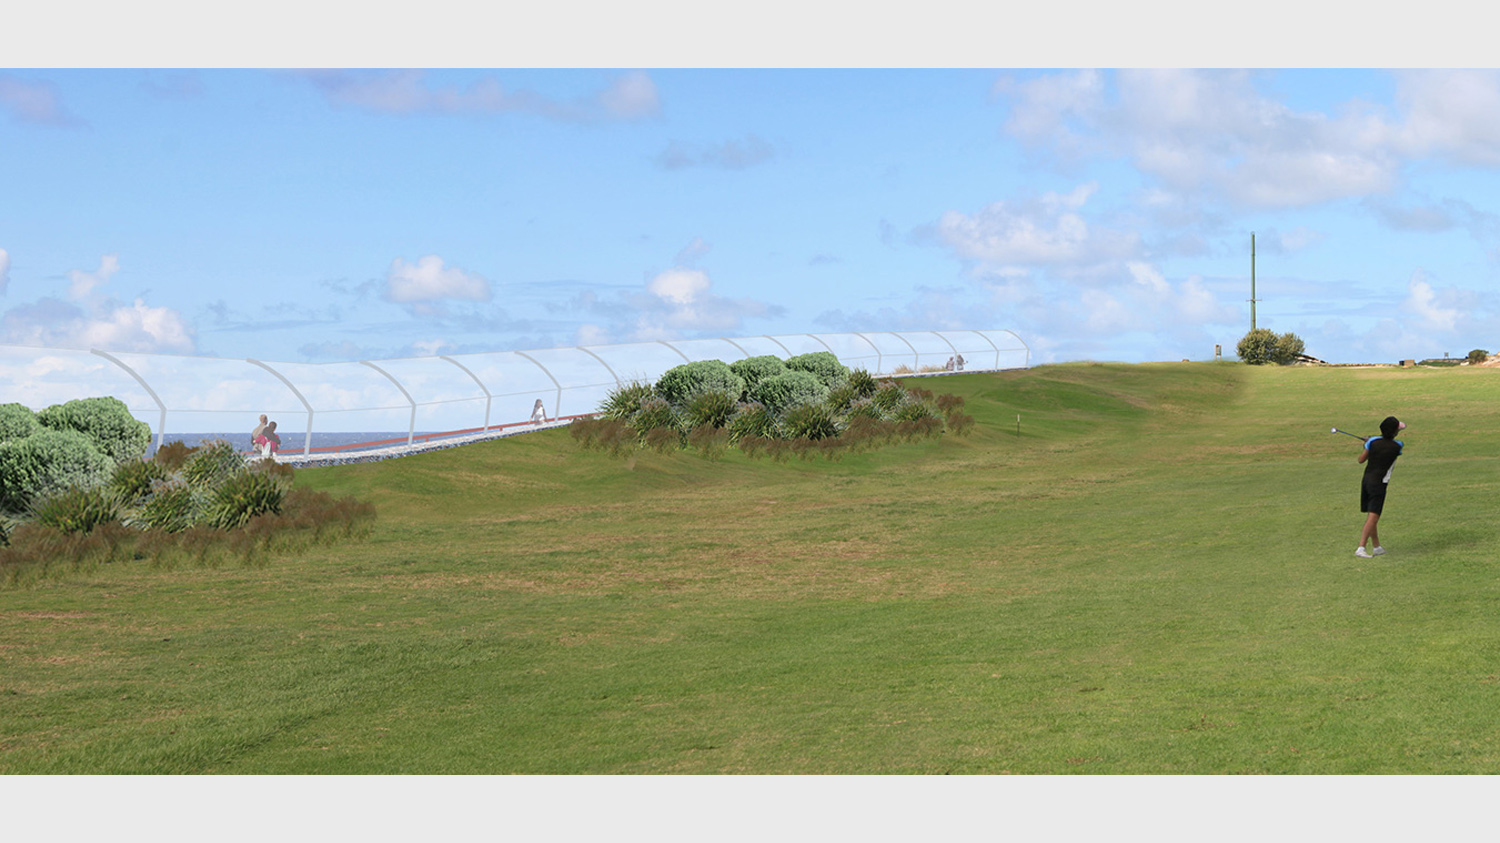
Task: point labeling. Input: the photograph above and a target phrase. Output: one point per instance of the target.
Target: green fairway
(1156, 576)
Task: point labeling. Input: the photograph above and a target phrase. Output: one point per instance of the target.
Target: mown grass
(1156, 576)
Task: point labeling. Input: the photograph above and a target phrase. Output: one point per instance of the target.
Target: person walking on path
(259, 429)
(268, 441)
(1379, 456)
(538, 413)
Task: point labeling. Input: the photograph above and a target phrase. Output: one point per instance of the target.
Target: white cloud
(1422, 301)
(4, 270)
(679, 287)
(591, 334)
(1047, 231)
(1454, 114)
(632, 96)
(429, 280)
(428, 348)
(111, 326)
(1210, 131)
(82, 284)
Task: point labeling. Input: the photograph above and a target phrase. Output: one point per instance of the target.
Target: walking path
(300, 460)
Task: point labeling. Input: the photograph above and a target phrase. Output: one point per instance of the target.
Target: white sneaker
(1360, 552)
(1377, 551)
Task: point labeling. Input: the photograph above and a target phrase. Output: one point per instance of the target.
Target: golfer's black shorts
(1372, 497)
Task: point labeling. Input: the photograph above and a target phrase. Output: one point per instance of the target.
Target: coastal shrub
(241, 497)
(663, 439)
(864, 408)
(654, 413)
(959, 422)
(105, 421)
(681, 382)
(212, 464)
(710, 407)
(76, 510)
(132, 479)
(823, 364)
(1478, 355)
(172, 508)
(754, 420)
(789, 389)
(624, 402)
(841, 397)
(888, 396)
(756, 369)
(173, 455)
(809, 421)
(914, 410)
(47, 462)
(863, 383)
(17, 422)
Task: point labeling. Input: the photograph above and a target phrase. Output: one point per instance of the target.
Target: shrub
(624, 402)
(663, 439)
(914, 410)
(864, 408)
(752, 421)
(655, 413)
(76, 510)
(1478, 355)
(1256, 347)
(889, 396)
(821, 363)
(1262, 346)
(17, 422)
(789, 389)
(173, 455)
(132, 479)
(960, 422)
(681, 382)
(752, 446)
(172, 508)
(212, 464)
(756, 369)
(949, 403)
(863, 382)
(242, 497)
(1288, 346)
(47, 462)
(105, 421)
(711, 407)
(841, 397)
(809, 421)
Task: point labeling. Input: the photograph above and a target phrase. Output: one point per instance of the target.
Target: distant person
(538, 412)
(268, 441)
(259, 429)
(948, 367)
(1379, 456)
(960, 361)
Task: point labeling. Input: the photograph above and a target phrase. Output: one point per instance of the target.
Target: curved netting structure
(446, 395)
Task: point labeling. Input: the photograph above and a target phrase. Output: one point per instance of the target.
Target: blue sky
(1100, 214)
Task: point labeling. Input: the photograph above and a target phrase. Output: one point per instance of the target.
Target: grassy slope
(1156, 576)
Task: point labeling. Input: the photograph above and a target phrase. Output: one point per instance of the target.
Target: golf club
(1347, 433)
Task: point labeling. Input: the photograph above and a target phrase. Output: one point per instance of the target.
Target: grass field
(1155, 576)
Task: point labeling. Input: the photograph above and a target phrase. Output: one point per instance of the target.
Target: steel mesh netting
(443, 394)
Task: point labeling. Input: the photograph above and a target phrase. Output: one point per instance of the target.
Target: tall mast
(1252, 280)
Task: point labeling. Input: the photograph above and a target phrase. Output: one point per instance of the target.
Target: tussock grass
(1155, 576)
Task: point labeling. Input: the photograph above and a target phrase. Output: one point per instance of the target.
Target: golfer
(1379, 455)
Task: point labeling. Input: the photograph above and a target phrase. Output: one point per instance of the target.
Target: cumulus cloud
(674, 303)
(81, 284)
(33, 102)
(1423, 303)
(1044, 231)
(1209, 131)
(1453, 114)
(632, 96)
(91, 319)
(729, 155)
(429, 279)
